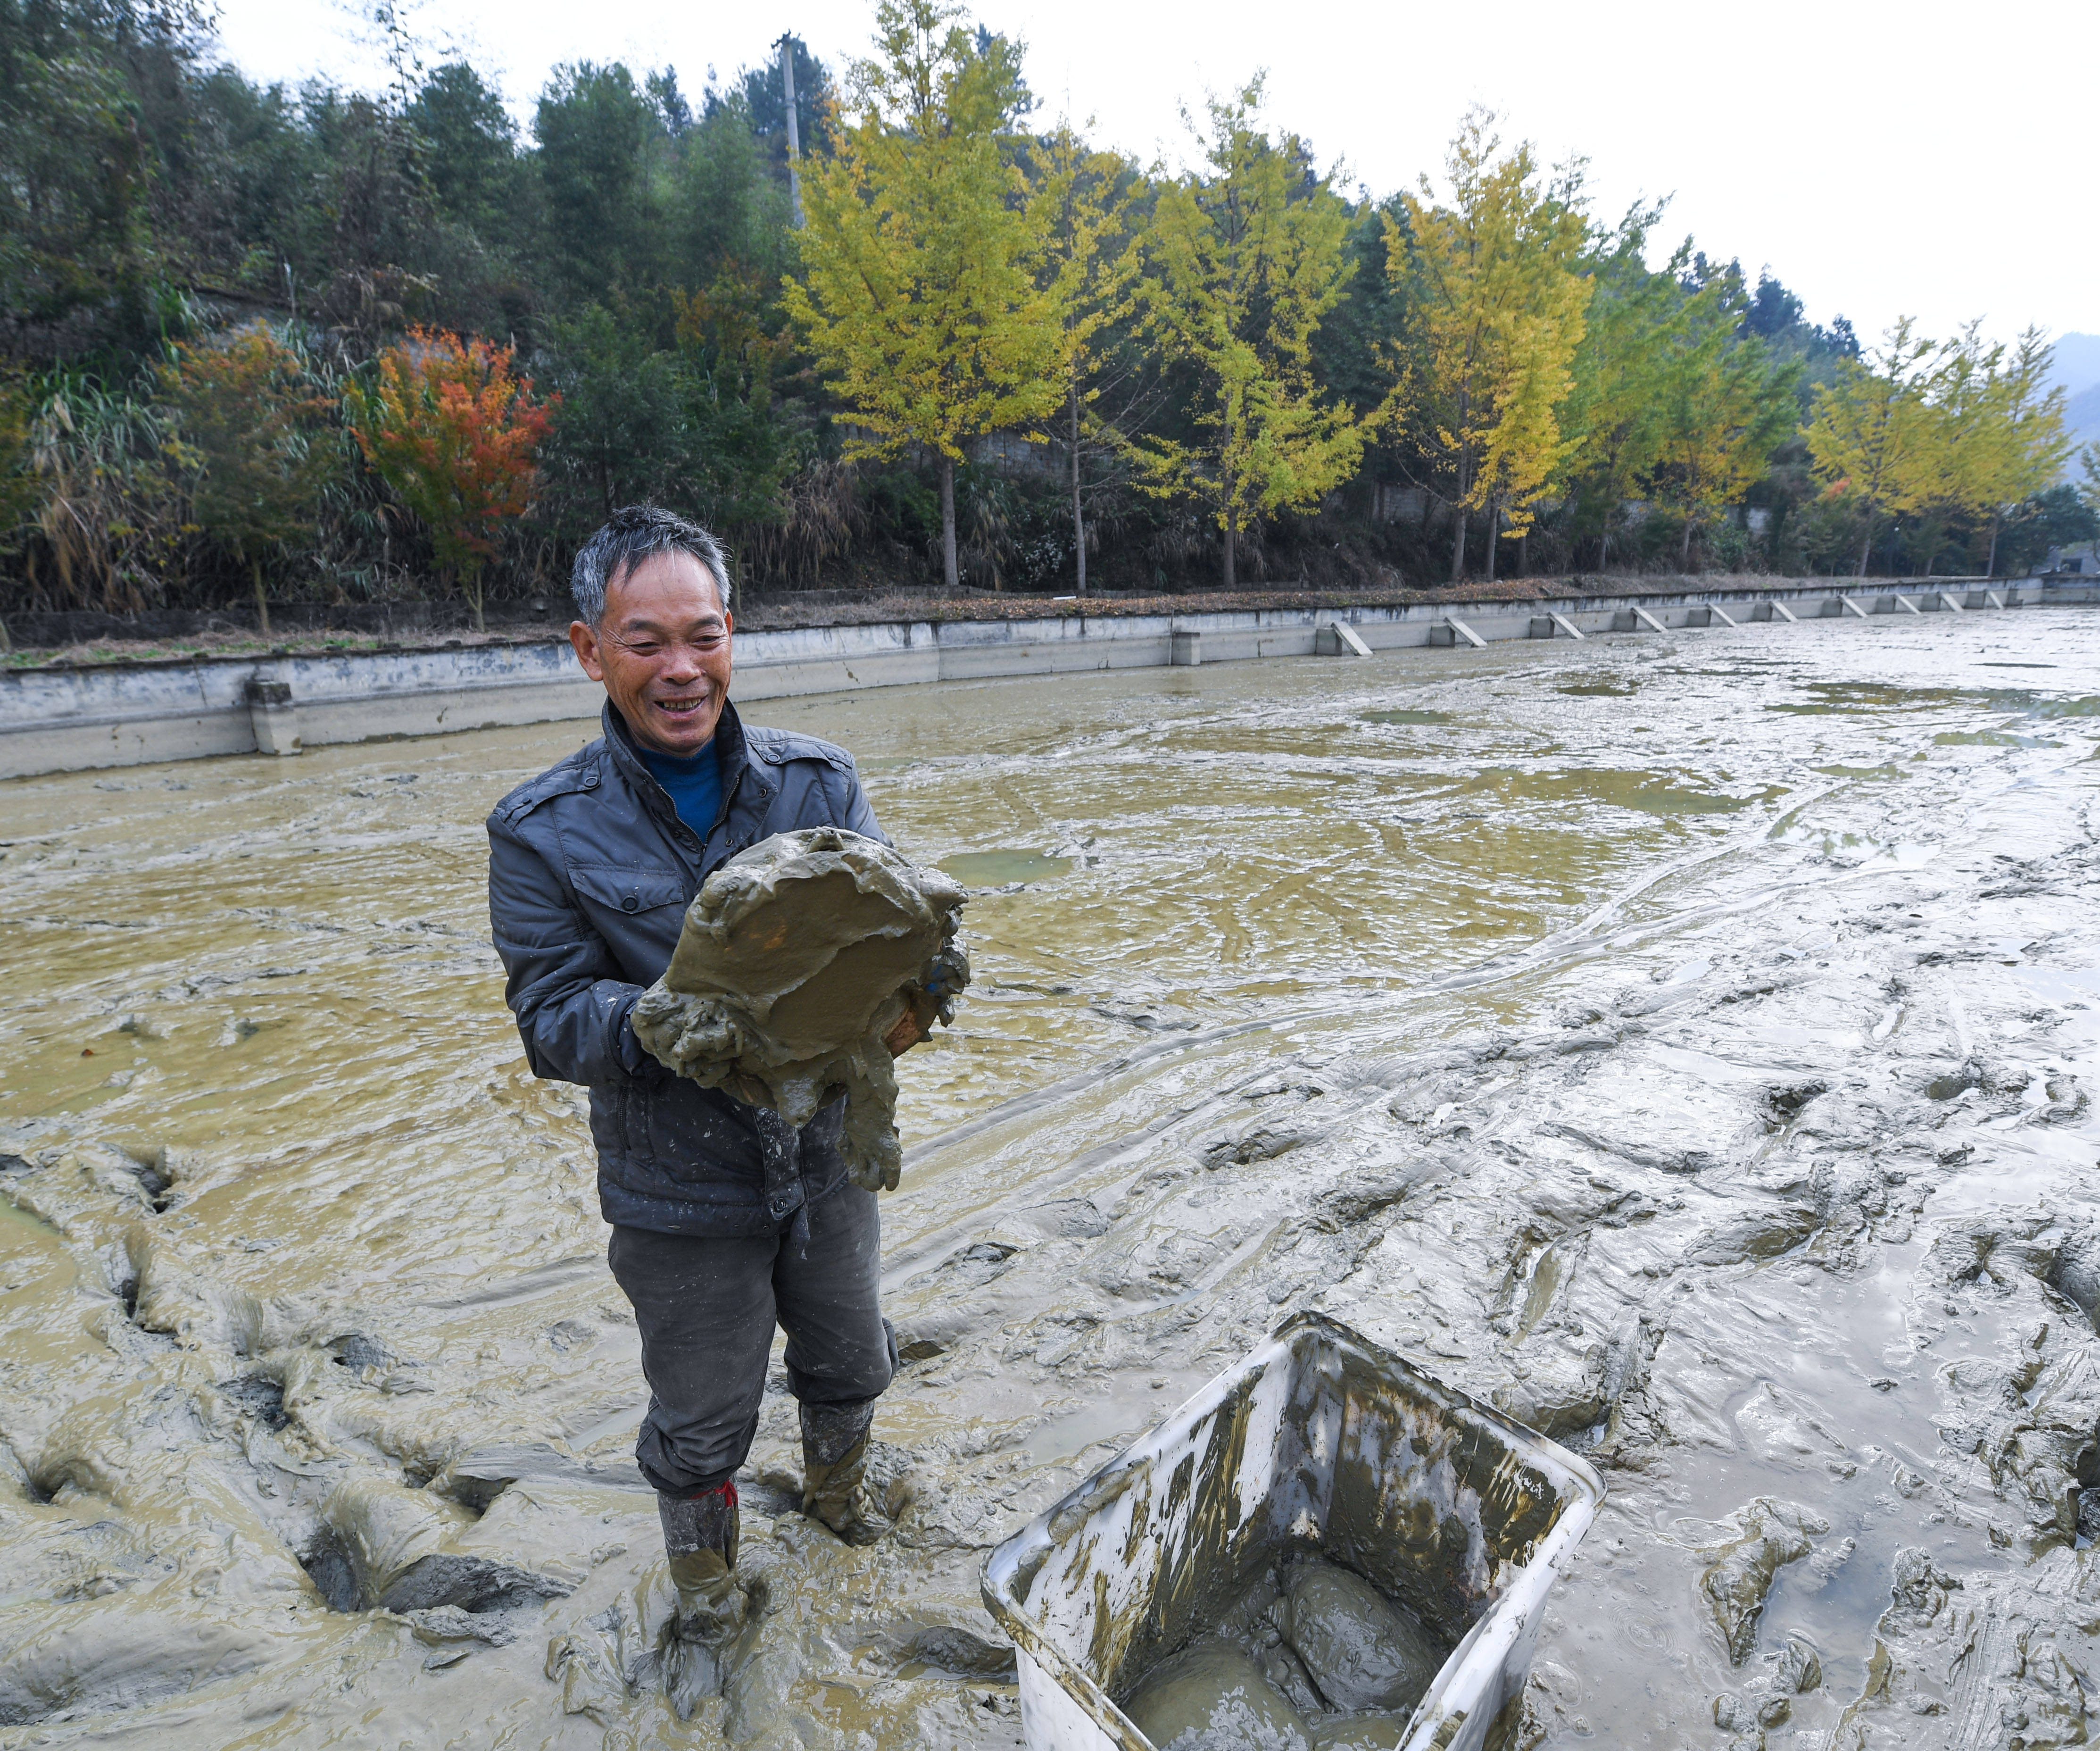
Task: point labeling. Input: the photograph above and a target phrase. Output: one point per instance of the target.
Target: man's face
(663, 652)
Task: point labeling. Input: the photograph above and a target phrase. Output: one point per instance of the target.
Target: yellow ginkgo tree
(1247, 253)
(1614, 412)
(1874, 432)
(1081, 203)
(1493, 276)
(1725, 404)
(2028, 442)
(918, 297)
(1989, 432)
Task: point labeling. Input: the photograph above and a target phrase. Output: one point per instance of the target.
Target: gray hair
(633, 534)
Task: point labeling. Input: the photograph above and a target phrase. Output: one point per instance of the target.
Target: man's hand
(915, 1024)
(680, 1031)
(932, 999)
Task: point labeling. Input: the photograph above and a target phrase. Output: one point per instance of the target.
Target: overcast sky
(1923, 158)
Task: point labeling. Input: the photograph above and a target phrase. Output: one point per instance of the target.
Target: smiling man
(724, 1218)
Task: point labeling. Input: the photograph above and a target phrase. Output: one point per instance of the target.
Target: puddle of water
(1647, 792)
(16, 1222)
(1861, 771)
(1409, 717)
(1989, 739)
(996, 868)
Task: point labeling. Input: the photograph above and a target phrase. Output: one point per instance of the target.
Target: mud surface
(1685, 1044)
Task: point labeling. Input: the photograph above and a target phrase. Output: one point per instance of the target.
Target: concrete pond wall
(68, 719)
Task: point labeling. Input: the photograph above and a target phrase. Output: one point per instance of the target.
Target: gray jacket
(590, 873)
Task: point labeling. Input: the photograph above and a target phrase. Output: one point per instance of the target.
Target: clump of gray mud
(1684, 1043)
(1312, 1658)
(796, 958)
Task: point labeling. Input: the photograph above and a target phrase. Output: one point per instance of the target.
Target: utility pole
(786, 47)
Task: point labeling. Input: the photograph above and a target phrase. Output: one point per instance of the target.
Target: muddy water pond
(1684, 1043)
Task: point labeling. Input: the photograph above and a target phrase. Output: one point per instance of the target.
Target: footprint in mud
(958, 1651)
(383, 1545)
(1262, 1140)
(1774, 1534)
(261, 1398)
(741, 1688)
(1760, 1234)
(968, 1267)
(1071, 1219)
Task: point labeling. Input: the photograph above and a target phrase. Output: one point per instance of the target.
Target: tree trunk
(262, 601)
(1866, 548)
(1684, 547)
(1079, 514)
(474, 596)
(1232, 545)
(1495, 530)
(1990, 564)
(1465, 484)
(1523, 554)
(948, 575)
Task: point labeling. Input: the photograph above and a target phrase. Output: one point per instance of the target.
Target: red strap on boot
(726, 1489)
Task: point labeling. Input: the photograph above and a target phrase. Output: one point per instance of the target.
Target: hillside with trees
(327, 346)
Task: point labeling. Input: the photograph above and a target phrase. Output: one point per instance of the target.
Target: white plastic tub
(1319, 1440)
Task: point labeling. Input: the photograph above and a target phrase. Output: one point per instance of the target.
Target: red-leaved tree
(452, 429)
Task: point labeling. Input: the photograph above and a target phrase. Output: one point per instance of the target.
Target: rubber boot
(834, 1471)
(700, 1540)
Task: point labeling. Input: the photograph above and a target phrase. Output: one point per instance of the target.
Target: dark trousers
(706, 1309)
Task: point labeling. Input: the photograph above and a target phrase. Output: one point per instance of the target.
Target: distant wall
(66, 719)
